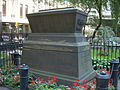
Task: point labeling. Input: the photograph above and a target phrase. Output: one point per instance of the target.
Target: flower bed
(9, 76)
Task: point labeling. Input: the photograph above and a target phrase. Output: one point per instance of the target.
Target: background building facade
(13, 14)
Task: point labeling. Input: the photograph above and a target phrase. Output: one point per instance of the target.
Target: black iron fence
(11, 51)
(11, 45)
(102, 53)
(13, 37)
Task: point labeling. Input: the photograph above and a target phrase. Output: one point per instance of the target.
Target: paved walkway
(4, 88)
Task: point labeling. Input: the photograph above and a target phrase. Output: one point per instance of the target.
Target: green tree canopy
(115, 11)
(100, 6)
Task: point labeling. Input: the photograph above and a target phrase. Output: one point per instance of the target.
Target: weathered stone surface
(67, 20)
(68, 60)
(66, 55)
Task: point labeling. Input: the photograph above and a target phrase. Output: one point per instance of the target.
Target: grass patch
(105, 54)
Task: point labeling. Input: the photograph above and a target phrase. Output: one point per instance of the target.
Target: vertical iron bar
(107, 56)
(96, 54)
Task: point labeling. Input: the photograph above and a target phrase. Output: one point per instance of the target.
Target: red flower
(41, 79)
(10, 68)
(102, 69)
(84, 81)
(31, 86)
(16, 79)
(108, 72)
(91, 83)
(94, 81)
(75, 84)
(110, 84)
(13, 77)
(38, 78)
(52, 81)
(85, 85)
(32, 81)
(54, 78)
(80, 85)
(111, 80)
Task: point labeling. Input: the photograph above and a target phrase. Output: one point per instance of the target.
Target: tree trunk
(100, 18)
(100, 22)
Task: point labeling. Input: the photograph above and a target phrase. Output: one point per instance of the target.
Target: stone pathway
(4, 88)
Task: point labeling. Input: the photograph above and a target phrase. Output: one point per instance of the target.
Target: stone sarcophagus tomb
(57, 47)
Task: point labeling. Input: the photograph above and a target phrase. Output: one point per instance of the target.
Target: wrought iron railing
(102, 53)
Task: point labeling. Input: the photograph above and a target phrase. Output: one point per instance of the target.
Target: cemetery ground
(105, 54)
(48, 55)
(9, 76)
(102, 57)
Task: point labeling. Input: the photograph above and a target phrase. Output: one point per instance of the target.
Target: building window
(4, 8)
(13, 8)
(21, 10)
(26, 9)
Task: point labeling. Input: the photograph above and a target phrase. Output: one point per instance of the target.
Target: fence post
(119, 68)
(16, 58)
(114, 72)
(102, 80)
(23, 70)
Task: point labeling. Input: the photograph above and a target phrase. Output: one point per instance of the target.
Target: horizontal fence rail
(102, 53)
(8, 51)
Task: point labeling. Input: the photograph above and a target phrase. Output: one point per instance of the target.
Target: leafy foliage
(115, 11)
(9, 76)
(100, 6)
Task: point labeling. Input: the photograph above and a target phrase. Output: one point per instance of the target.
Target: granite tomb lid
(58, 11)
(64, 20)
